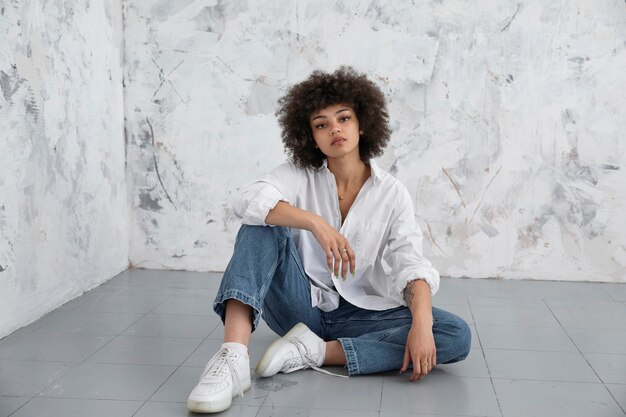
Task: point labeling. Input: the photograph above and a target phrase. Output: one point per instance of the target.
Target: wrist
(312, 222)
(422, 320)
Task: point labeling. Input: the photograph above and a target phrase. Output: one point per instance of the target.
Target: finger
(433, 361)
(344, 262)
(416, 368)
(329, 259)
(416, 372)
(406, 361)
(337, 259)
(352, 259)
(423, 368)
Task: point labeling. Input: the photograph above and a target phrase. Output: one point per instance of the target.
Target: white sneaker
(225, 376)
(300, 348)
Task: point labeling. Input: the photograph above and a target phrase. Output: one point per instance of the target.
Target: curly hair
(320, 90)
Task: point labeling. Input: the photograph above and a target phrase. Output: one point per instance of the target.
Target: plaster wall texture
(508, 123)
(63, 196)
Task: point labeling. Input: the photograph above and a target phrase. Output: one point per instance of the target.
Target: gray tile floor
(136, 345)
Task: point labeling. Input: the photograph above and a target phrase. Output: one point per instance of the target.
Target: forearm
(417, 298)
(284, 214)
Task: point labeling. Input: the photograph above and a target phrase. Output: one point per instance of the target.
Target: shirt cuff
(429, 275)
(260, 207)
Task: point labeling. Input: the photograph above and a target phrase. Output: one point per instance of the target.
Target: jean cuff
(352, 363)
(220, 308)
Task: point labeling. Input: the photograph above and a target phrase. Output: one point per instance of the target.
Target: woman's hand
(420, 350)
(339, 253)
(420, 343)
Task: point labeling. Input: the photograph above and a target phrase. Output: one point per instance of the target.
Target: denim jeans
(266, 273)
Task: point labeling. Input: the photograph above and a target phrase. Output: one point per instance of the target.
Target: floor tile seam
(547, 380)
(37, 360)
(313, 408)
(70, 369)
(29, 332)
(159, 387)
(440, 375)
(179, 314)
(131, 364)
(493, 387)
(619, 404)
(48, 397)
(20, 407)
(171, 402)
(425, 413)
(555, 351)
(577, 348)
(157, 337)
(595, 328)
(115, 337)
(175, 370)
(119, 334)
(575, 382)
(420, 414)
(609, 295)
(480, 343)
(194, 351)
(60, 397)
(602, 353)
(161, 303)
(595, 352)
(100, 348)
(518, 326)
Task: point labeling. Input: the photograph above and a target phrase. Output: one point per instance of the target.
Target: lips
(337, 140)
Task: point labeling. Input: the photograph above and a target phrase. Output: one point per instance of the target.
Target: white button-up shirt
(380, 227)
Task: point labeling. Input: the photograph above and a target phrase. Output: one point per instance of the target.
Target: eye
(320, 126)
(345, 118)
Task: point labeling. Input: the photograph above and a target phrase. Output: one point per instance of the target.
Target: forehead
(331, 110)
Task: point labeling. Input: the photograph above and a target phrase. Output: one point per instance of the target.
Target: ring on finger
(344, 250)
(424, 363)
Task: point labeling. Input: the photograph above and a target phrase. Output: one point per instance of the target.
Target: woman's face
(336, 130)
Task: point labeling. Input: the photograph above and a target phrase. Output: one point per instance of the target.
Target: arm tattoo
(408, 292)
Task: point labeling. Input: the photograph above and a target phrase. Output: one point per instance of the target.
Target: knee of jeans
(464, 339)
(262, 232)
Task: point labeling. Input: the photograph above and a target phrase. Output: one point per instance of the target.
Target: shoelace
(215, 368)
(307, 358)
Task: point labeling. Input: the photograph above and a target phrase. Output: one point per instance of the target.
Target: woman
(315, 275)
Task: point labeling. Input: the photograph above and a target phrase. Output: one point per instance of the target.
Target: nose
(335, 129)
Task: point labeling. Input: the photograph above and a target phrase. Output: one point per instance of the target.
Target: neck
(348, 170)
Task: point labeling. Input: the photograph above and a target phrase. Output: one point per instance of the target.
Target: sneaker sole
(214, 406)
(270, 353)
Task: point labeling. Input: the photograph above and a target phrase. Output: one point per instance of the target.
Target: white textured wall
(63, 196)
(508, 123)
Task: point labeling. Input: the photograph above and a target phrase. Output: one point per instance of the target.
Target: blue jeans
(266, 273)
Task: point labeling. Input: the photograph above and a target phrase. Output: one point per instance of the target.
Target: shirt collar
(377, 173)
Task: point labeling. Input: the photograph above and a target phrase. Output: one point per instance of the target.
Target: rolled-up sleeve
(404, 251)
(253, 201)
